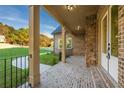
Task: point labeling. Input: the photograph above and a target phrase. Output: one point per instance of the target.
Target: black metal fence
(14, 72)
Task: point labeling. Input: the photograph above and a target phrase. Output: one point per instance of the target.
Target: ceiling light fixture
(70, 7)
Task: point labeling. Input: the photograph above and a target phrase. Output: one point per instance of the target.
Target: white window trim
(59, 43)
(71, 43)
(66, 45)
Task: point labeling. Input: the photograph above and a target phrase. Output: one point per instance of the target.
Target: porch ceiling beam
(57, 16)
(34, 57)
(54, 14)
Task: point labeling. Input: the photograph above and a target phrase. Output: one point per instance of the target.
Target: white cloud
(48, 27)
(13, 19)
(47, 34)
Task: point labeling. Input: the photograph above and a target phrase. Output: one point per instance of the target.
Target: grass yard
(13, 52)
(49, 58)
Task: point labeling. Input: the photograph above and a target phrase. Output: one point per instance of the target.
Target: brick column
(91, 40)
(63, 45)
(121, 45)
(34, 55)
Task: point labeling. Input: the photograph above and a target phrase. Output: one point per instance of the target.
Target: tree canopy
(21, 36)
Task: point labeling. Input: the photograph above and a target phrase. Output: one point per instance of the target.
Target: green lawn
(13, 52)
(48, 58)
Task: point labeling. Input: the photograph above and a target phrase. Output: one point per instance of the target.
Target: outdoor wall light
(70, 7)
(78, 27)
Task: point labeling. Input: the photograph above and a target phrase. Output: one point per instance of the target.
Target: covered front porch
(83, 68)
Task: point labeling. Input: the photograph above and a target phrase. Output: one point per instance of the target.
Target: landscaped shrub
(54, 60)
(49, 59)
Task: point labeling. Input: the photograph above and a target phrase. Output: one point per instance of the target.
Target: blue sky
(17, 16)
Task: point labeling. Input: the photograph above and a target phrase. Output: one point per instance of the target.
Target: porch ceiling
(74, 18)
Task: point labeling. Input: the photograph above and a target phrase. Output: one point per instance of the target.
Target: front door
(109, 42)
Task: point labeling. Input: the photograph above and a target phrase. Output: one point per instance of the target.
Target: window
(68, 43)
(59, 43)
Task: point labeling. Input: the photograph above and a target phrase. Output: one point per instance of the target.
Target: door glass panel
(104, 35)
(114, 31)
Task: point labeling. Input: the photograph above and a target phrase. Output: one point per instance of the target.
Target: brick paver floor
(75, 74)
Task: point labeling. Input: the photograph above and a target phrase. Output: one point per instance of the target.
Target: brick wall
(78, 45)
(91, 40)
(121, 45)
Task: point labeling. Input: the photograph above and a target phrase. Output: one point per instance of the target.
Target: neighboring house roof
(57, 30)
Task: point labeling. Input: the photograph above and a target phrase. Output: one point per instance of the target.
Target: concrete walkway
(22, 62)
(74, 74)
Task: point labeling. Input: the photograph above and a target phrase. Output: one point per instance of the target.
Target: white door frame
(104, 61)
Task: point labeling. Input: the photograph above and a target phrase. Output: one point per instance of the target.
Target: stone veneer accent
(121, 45)
(91, 40)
